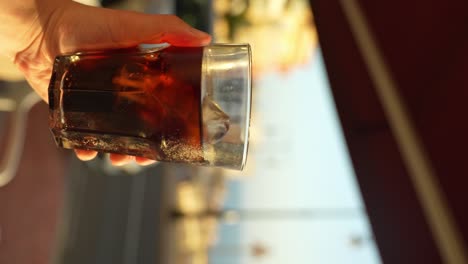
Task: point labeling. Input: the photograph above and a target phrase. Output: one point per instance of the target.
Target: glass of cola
(174, 104)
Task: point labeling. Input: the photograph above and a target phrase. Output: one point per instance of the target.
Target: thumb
(100, 28)
(145, 28)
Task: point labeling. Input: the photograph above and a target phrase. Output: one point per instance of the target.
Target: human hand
(66, 26)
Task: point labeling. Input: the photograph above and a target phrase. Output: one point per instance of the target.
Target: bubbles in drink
(136, 104)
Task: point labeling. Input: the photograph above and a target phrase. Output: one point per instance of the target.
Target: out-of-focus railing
(16, 99)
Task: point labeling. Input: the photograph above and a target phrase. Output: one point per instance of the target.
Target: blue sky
(298, 160)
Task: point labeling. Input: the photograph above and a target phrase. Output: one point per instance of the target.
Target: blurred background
(297, 200)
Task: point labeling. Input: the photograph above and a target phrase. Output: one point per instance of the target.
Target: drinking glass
(174, 104)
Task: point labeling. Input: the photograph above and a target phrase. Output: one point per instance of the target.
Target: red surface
(424, 44)
(427, 49)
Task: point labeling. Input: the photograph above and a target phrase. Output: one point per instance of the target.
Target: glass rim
(248, 106)
(246, 109)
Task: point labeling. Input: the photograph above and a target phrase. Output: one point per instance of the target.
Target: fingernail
(120, 160)
(85, 155)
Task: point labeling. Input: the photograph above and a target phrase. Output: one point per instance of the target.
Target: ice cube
(215, 121)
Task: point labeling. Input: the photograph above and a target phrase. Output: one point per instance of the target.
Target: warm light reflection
(281, 32)
(196, 229)
(189, 200)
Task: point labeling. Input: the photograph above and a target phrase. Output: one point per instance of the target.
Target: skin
(33, 32)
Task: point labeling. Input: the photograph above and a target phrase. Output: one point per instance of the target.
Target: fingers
(108, 28)
(144, 161)
(116, 159)
(120, 160)
(173, 30)
(156, 29)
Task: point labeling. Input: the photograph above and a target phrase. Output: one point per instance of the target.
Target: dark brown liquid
(143, 104)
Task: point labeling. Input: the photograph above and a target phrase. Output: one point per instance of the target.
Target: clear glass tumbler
(175, 104)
